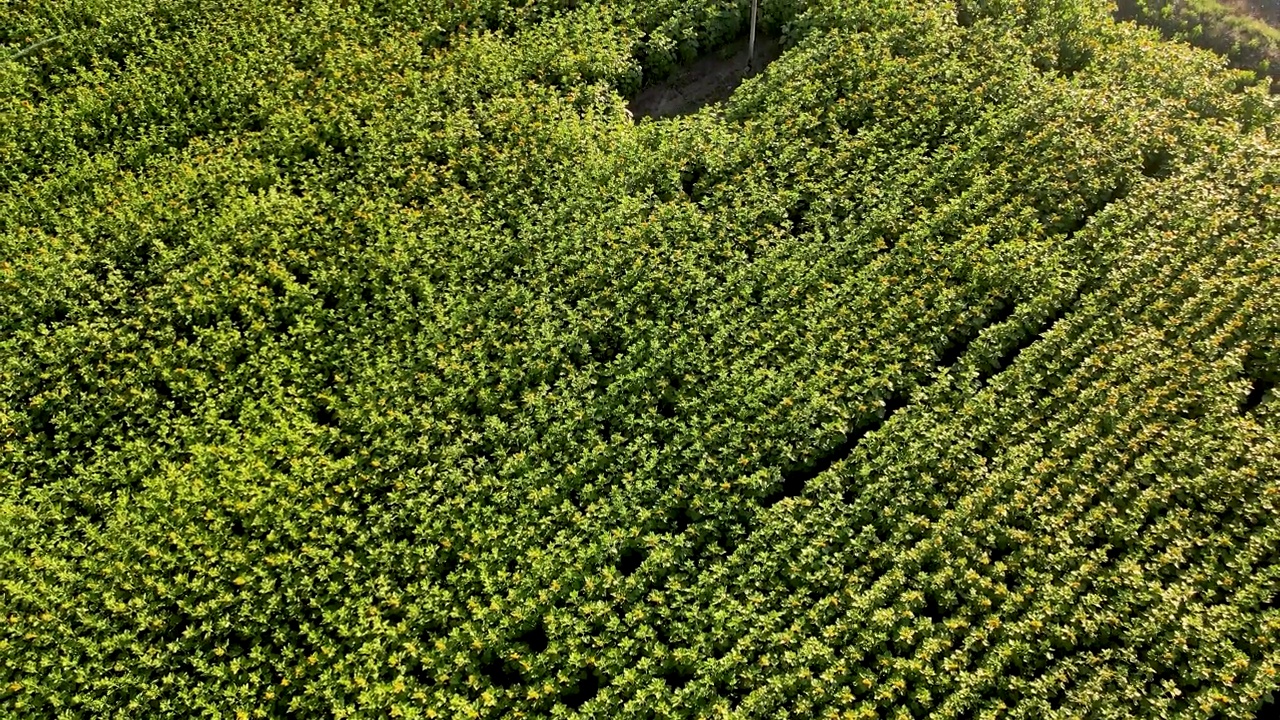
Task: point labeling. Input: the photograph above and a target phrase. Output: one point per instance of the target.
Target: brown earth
(709, 79)
(1268, 11)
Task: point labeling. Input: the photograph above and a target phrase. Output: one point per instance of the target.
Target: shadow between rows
(710, 79)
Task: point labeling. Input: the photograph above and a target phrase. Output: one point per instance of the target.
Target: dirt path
(707, 80)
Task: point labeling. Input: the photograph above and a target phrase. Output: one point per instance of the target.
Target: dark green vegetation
(1247, 41)
(363, 359)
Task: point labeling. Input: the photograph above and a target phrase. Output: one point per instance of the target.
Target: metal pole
(36, 46)
(751, 44)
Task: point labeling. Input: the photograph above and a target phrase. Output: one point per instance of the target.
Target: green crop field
(366, 359)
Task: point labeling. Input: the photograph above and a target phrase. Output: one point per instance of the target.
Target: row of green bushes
(365, 359)
(1248, 43)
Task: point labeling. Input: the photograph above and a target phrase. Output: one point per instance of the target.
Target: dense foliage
(1248, 42)
(363, 358)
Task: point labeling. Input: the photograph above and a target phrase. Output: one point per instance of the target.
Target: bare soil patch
(1264, 10)
(709, 79)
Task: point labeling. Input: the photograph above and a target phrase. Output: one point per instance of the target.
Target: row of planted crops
(365, 359)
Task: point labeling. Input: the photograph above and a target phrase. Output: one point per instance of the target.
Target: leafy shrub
(365, 359)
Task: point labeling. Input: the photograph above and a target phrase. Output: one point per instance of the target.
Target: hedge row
(1247, 42)
(363, 359)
